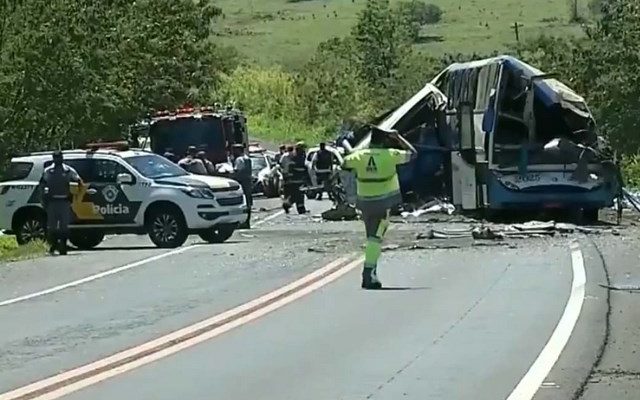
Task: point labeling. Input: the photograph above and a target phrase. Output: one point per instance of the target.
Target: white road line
(96, 276)
(114, 270)
(532, 380)
(269, 218)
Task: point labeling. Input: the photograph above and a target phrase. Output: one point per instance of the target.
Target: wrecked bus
(498, 134)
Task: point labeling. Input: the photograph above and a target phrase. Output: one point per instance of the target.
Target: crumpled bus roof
(549, 90)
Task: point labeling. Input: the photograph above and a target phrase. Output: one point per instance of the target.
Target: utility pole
(574, 11)
(516, 27)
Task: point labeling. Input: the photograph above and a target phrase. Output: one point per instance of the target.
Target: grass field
(10, 251)
(276, 31)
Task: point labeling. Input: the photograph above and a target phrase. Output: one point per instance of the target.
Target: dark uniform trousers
(292, 194)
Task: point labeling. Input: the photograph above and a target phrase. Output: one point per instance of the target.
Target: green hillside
(283, 32)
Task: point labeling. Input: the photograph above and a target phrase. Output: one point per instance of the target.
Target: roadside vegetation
(10, 251)
(72, 71)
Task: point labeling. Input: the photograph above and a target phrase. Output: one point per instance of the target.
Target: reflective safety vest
(375, 171)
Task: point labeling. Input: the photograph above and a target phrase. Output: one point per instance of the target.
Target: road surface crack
(607, 332)
(441, 337)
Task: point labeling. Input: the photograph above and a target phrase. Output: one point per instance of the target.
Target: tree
(420, 12)
(603, 67)
(75, 70)
(331, 86)
(382, 39)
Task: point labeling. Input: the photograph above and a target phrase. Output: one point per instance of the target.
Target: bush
(286, 130)
(268, 91)
(631, 171)
(10, 251)
(420, 12)
(595, 7)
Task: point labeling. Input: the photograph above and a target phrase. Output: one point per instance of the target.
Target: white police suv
(129, 191)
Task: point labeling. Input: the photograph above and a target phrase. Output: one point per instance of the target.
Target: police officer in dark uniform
(281, 151)
(242, 173)
(56, 197)
(295, 175)
(322, 164)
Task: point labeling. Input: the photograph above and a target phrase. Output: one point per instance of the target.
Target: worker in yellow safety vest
(378, 192)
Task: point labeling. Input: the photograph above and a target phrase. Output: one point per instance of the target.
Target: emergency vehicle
(209, 129)
(125, 191)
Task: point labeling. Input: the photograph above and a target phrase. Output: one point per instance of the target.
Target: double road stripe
(78, 378)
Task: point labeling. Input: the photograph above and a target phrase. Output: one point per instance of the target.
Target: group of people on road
(292, 161)
(293, 166)
(378, 188)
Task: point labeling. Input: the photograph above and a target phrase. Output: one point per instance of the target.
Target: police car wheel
(30, 228)
(167, 229)
(218, 234)
(86, 240)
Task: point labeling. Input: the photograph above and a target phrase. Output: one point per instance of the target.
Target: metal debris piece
(628, 287)
(317, 250)
(563, 227)
(435, 206)
(484, 232)
(490, 244)
(586, 230)
(534, 226)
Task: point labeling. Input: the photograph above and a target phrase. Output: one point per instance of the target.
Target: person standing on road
(208, 165)
(56, 199)
(322, 165)
(295, 175)
(242, 173)
(378, 192)
(281, 151)
(191, 163)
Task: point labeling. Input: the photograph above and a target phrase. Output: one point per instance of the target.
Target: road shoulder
(617, 373)
(584, 348)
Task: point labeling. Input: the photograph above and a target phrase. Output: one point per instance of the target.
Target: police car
(124, 191)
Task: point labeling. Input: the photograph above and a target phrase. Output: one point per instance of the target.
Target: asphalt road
(462, 323)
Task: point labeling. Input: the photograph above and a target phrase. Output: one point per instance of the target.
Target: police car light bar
(118, 146)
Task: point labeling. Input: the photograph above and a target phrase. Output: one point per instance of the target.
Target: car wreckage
(498, 134)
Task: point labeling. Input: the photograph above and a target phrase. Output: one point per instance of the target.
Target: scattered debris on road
(431, 207)
(514, 231)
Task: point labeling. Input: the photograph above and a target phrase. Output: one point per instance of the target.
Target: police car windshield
(155, 167)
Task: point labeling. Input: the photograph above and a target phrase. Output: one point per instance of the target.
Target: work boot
(286, 208)
(370, 279)
(62, 247)
(53, 243)
(302, 210)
